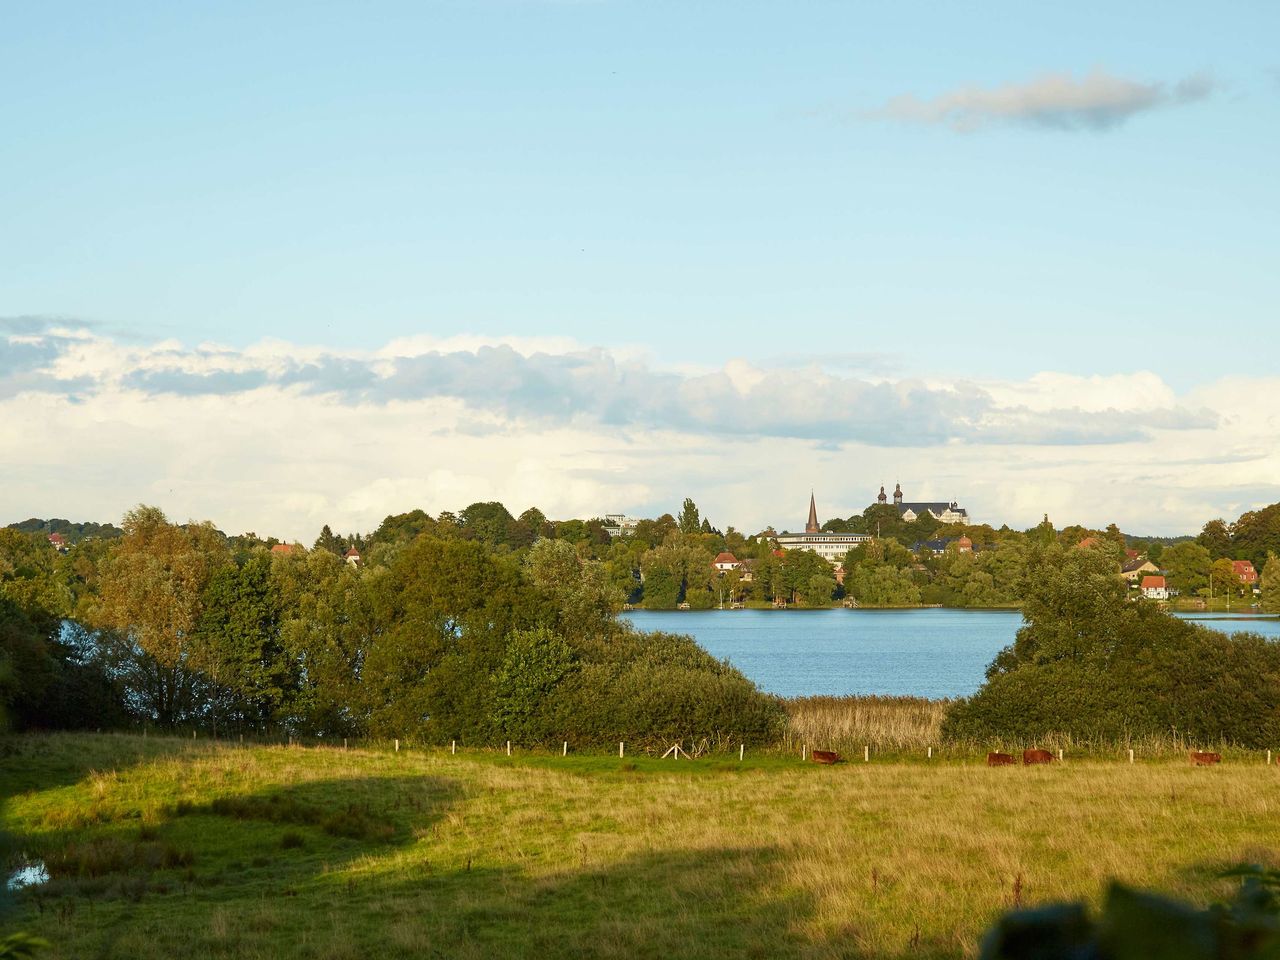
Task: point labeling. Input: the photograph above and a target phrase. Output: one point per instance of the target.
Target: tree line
(436, 636)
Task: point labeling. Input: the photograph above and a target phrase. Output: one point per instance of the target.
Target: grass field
(164, 848)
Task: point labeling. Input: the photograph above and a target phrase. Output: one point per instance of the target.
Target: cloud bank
(1098, 100)
(282, 437)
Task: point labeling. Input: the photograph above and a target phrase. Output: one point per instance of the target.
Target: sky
(293, 264)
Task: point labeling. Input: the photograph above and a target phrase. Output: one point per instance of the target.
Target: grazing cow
(1205, 759)
(1036, 756)
(999, 759)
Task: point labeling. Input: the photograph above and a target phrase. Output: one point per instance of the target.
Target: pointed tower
(897, 494)
(882, 498)
(812, 525)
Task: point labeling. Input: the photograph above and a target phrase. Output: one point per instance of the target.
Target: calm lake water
(923, 653)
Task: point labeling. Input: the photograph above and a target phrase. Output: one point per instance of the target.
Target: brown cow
(1036, 756)
(1205, 759)
(999, 759)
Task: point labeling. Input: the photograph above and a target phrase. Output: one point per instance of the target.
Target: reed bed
(849, 723)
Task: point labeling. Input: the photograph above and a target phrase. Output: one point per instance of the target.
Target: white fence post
(508, 748)
(565, 751)
(622, 747)
(742, 751)
(453, 747)
(866, 754)
(1059, 753)
(1131, 754)
(804, 751)
(397, 746)
(930, 757)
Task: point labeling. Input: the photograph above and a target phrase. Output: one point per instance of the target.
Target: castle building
(940, 510)
(831, 547)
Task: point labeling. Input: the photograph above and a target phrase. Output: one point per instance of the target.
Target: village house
(1155, 588)
(725, 562)
(1244, 570)
(58, 542)
(352, 557)
(1137, 568)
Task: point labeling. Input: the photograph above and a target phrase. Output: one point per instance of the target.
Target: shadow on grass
(357, 868)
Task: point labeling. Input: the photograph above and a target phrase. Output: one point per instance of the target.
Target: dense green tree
(489, 522)
(327, 541)
(152, 592)
(881, 586)
(1187, 565)
(533, 664)
(584, 598)
(1270, 584)
(1256, 534)
(689, 521)
(237, 644)
(1216, 538)
(1223, 579)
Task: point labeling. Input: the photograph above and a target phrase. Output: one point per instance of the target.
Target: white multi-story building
(619, 525)
(831, 547)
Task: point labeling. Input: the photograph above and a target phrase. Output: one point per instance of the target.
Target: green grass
(165, 848)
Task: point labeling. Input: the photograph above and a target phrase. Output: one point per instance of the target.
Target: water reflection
(30, 875)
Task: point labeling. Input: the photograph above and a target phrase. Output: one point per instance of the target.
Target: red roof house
(1155, 588)
(1244, 570)
(725, 561)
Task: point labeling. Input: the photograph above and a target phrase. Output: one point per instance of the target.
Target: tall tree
(1187, 564)
(152, 591)
(689, 520)
(1216, 538)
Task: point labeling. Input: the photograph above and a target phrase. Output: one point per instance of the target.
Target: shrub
(1090, 664)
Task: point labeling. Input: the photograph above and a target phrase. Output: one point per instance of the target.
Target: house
(285, 549)
(1155, 588)
(940, 510)
(1136, 568)
(940, 545)
(1089, 543)
(725, 561)
(747, 568)
(352, 557)
(1244, 570)
(619, 525)
(58, 542)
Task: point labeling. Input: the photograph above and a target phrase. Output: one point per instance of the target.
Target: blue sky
(978, 192)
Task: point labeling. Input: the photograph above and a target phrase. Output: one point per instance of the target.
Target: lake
(922, 653)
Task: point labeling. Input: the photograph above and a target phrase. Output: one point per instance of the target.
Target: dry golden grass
(540, 856)
(849, 723)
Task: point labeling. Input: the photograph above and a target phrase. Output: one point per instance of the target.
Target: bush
(1090, 664)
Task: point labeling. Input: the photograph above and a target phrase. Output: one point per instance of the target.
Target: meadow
(161, 847)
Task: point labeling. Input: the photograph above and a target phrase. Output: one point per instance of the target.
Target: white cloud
(1098, 100)
(281, 440)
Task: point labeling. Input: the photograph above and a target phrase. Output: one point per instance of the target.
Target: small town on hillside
(894, 553)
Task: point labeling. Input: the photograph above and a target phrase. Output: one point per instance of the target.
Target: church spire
(812, 525)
